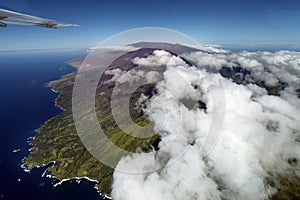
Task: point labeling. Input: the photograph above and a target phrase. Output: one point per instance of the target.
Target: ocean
(25, 104)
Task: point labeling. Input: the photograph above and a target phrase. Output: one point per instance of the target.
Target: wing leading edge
(11, 17)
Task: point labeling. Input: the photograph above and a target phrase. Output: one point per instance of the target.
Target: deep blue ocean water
(25, 103)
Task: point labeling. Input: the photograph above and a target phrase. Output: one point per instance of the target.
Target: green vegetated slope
(57, 139)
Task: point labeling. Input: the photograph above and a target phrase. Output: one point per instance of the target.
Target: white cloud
(215, 61)
(159, 58)
(131, 76)
(271, 68)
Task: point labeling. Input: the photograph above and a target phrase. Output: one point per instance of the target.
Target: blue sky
(231, 22)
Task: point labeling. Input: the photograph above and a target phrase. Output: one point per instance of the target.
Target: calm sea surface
(25, 103)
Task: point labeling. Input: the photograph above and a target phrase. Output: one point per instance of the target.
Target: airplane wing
(11, 17)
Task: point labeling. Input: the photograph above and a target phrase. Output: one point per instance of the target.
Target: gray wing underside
(11, 17)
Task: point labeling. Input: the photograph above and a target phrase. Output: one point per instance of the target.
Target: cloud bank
(259, 139)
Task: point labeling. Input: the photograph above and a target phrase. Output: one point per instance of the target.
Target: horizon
(231, 47)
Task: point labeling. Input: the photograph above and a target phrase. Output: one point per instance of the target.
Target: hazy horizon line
(220, 45)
